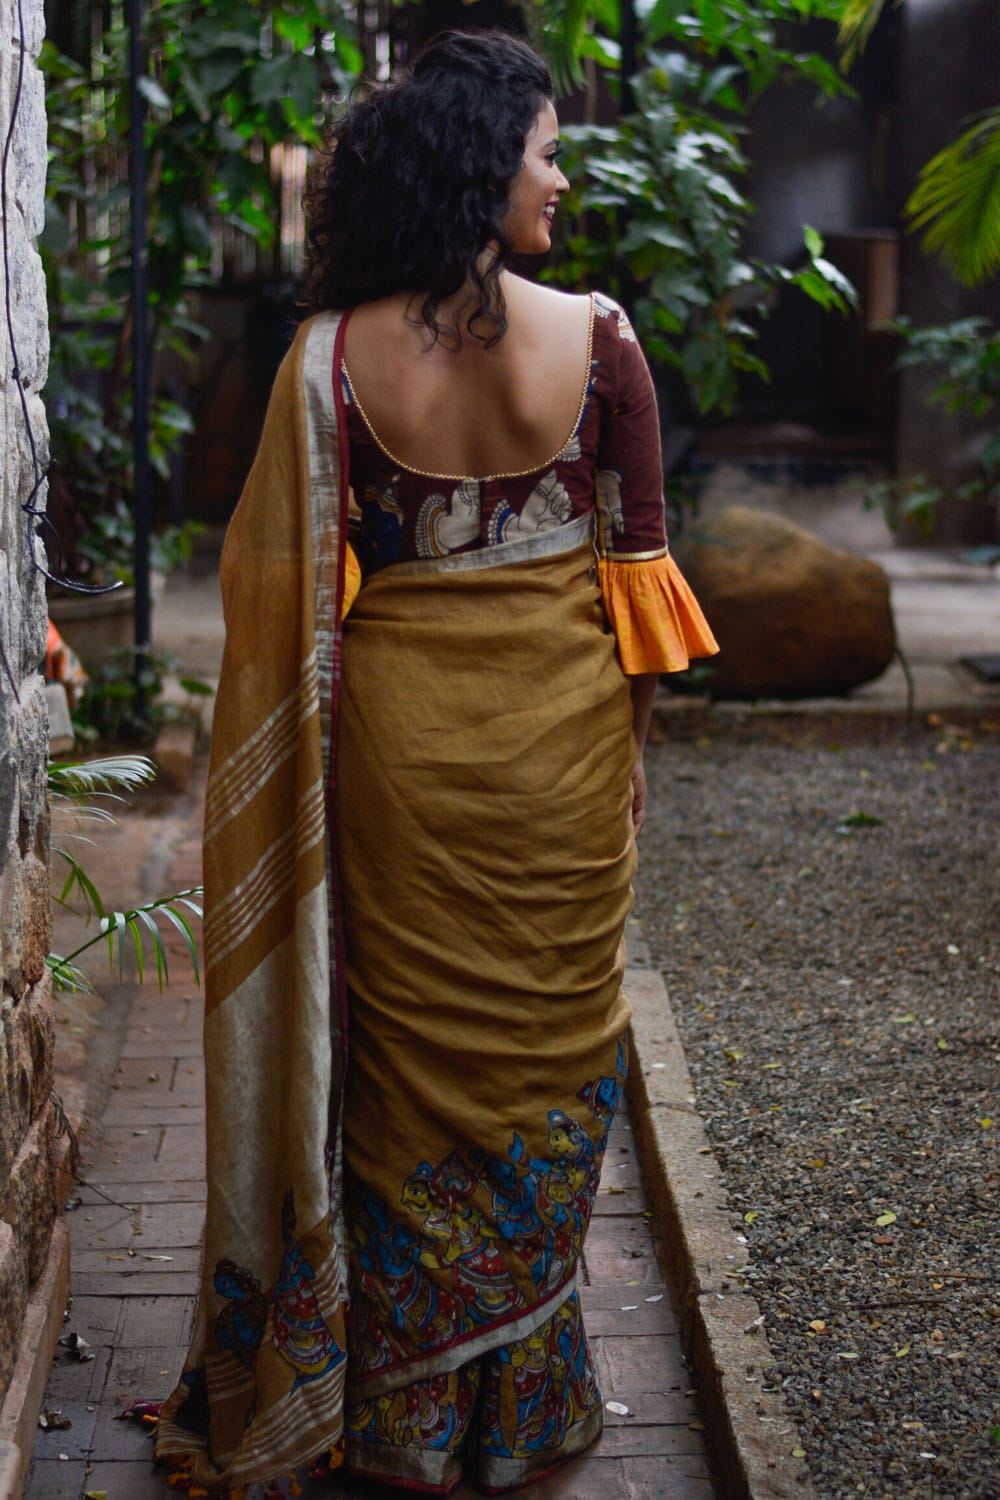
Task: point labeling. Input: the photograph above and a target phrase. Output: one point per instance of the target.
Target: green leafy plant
(123, 701)
(79, 794)
(108, 547)
(229, 82)
(664, 183)
(967, 353)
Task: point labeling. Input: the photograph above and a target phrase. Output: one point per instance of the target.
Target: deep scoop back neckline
(484, 478)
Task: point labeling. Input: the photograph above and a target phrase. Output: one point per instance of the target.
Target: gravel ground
(835, 982)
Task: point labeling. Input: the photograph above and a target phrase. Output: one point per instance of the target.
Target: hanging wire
(38, 521)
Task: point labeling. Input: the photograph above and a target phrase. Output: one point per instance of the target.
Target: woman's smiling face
(537, 188)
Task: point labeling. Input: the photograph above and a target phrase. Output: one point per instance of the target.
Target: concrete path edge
(753, 1439)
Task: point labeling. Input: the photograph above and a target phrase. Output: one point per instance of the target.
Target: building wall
(27, 1206)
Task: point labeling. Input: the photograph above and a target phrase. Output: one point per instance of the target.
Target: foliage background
(659, 213)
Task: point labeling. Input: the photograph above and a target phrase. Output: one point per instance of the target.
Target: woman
(455, 871)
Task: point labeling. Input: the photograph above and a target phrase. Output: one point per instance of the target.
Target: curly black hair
(415, 184)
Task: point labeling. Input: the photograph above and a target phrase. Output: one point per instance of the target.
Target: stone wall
(27, 1178)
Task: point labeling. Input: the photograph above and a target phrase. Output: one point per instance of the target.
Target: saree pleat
(484, 757)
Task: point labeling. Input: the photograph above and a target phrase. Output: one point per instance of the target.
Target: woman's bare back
(471, 411)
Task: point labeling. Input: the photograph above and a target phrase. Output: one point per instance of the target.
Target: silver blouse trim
(550, 543)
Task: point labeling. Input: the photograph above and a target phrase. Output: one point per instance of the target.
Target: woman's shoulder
(538, 304)
(550, 305)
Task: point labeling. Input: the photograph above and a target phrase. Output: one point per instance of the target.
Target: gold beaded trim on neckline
(483, 478)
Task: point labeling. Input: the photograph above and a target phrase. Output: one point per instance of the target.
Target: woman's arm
(643, 688)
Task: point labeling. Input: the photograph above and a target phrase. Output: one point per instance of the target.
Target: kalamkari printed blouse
(610, 463)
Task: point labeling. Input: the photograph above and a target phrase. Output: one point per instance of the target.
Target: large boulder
(794, 618)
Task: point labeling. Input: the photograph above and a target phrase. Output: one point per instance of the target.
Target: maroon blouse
(612, 456)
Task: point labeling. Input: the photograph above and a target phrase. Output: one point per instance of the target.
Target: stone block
(31, 727)
(11, 929)
(29, 1206)
(16, 1076)
(37, 1017)
(27, 1040)
(34, 620)
(8, 782)
(27, 282)
(13, 1301)
(36, 937)
(29, 140)
(34, 28)
(794, 617)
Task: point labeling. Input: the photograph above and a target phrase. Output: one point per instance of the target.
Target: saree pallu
(263, 1383)
(486, 855)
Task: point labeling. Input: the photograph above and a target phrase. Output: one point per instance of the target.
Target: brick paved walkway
(135, 1238)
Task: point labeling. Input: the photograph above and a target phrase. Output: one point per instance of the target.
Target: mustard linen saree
(471, 832)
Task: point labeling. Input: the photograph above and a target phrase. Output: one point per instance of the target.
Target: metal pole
(141, 498)
(628, 43)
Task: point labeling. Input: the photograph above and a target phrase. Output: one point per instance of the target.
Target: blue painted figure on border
(240, 1325)
(299, 1332)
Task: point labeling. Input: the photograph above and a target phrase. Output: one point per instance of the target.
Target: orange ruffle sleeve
(656, 618)
(352, 580)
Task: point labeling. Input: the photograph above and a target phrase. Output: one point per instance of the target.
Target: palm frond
(67, 976)
(78, 880)
(123, 931)
(108, 776)
(183, 926)
(81, 812)
(958, 200)
(857, 23)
